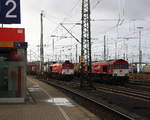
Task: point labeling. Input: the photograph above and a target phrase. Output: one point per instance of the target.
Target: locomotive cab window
(116, 66)
(67, 67)
(124, 66)
(108, 68)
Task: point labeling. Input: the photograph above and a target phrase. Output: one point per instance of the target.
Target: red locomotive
(113, 71)
(63, 71)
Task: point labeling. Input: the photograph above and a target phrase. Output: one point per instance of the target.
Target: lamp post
(140, 51)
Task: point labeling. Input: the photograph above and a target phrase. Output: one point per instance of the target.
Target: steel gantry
(86, 39)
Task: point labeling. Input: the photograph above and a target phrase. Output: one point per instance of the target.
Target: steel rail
(129, 92)
(144, 84)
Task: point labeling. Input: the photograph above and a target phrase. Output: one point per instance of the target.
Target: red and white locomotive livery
(64, 71)
(114, 71)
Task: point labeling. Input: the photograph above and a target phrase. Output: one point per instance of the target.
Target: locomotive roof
(59, 64)
(111, 61)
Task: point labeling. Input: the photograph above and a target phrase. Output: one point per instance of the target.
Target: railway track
(138, 87)
(107, 110)
(127, 91)
(140, 83)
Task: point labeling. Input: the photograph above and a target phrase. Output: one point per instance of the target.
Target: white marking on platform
(64, 113)
(60, 109)
(33, 89)
(61, 102)
(36, 86)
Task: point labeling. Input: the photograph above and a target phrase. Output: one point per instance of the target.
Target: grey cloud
(138, 8)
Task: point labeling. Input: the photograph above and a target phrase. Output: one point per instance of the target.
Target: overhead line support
(41, 45)
(86, 40)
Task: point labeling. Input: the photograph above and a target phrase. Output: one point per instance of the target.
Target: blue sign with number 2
(10, 12)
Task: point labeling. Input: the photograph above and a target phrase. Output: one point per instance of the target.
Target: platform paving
(45, 103)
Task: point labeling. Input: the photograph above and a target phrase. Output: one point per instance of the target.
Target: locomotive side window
(116, 66)
(108, 67)
(105, 69)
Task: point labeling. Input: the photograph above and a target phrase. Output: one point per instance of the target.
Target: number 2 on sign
(8, 14)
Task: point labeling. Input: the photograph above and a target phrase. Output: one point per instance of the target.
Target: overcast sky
(132, 14)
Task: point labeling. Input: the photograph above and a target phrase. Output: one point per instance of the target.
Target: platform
(46, 103)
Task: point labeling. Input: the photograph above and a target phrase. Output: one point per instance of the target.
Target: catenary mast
(86, 39)
(41, 45)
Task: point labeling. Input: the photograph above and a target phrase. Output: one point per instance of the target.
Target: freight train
(112, 71)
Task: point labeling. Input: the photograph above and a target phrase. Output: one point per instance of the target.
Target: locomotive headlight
(63, 72)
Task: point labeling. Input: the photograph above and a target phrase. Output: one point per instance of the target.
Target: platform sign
(10, 12)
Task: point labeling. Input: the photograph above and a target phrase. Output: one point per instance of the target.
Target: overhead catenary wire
(114, 27)
(96, 4)
(66, 16)
(58, 23)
